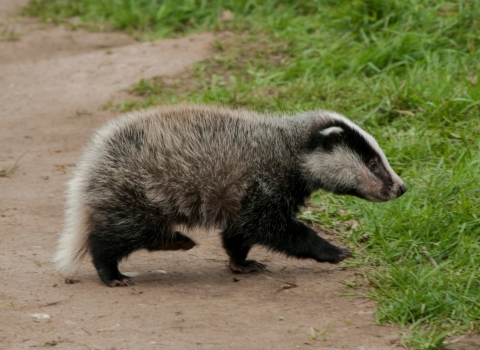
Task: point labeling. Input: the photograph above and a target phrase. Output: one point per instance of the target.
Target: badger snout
(401, 190)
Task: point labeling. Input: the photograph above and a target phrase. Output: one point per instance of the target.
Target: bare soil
(53, 83)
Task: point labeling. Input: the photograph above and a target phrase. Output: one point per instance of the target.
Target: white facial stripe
(331, 130)
(372, 143)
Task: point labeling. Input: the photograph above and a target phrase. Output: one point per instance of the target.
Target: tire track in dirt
(49, 106)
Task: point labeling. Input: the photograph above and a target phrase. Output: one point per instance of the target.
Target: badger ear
(331, 130)
(329, 137)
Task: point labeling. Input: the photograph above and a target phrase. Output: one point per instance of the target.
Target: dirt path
(53, 82)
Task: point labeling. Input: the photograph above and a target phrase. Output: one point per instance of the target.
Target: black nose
(402, 190)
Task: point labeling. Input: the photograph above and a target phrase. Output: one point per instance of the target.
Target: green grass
(9, 35)
(405, 70)
(152, 18)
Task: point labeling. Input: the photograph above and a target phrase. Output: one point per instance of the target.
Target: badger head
(344, 159)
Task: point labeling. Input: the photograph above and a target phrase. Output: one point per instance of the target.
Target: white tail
(73, 241)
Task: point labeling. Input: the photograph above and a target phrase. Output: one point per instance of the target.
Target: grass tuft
(9, 170)
(9, 35)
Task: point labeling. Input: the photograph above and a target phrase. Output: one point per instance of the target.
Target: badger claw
(122, 281)
(342, 255)
(334, 255)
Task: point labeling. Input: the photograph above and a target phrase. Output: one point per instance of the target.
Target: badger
(149, 176)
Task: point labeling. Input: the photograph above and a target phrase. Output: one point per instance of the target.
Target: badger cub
(150, 173)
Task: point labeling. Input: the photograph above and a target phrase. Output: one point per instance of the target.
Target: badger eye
(373, 166)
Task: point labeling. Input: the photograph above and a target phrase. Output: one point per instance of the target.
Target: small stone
(40, 316)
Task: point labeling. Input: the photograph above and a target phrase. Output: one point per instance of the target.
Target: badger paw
(179, 245)
(121, 281)
(246, 266)
(178, 242)
(344, 253)
(339, 255)
(334, 255)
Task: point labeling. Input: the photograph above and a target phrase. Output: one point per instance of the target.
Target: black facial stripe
(350, 138)
(384, 175)
(356, 142)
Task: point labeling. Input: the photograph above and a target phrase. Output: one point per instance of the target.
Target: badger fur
(149, 173)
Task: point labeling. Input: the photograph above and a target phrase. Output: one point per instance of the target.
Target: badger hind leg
(106, 254)
(237, 249)
(109, 245)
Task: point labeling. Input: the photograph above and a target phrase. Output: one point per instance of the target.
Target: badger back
(192, 163)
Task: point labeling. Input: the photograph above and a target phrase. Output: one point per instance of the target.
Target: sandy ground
(53, 82)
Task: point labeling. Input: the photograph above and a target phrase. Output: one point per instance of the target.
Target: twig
(429, 256)
(55, 302)
(289, 285)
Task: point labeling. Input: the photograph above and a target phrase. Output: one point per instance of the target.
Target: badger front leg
(289, 236)
(303, 242)
(237, 249)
